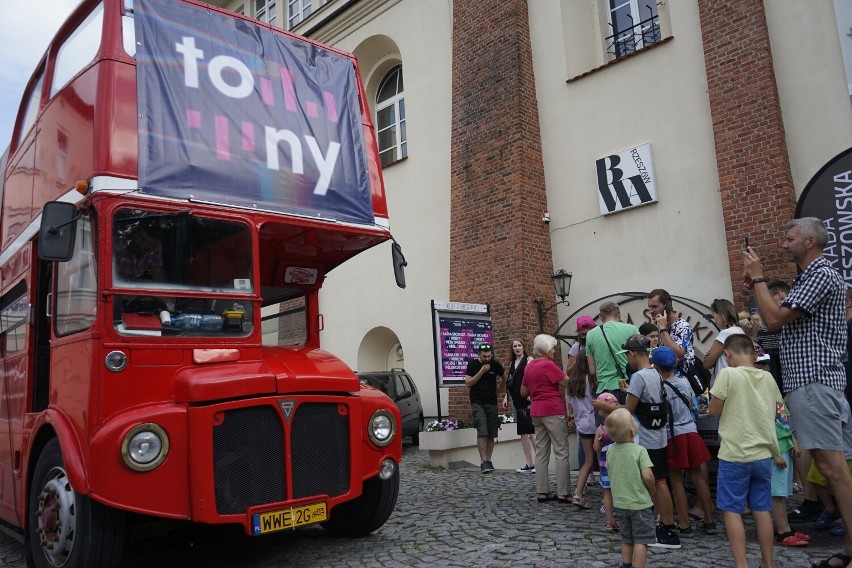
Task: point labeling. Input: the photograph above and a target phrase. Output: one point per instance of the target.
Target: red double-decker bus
(179, 182)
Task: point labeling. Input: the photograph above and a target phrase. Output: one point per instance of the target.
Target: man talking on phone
(675, 332)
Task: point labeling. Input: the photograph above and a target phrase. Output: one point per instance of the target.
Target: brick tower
(500, 251)
(751, 150)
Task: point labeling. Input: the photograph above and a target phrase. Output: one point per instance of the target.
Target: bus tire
(366, 513)
(66, 529)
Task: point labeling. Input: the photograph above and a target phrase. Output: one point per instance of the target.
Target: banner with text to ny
(230, 112)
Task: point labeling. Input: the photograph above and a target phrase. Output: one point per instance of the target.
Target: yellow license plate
(291, 518)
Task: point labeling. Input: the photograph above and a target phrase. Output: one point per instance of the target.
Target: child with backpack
(646, 398)
(687, 450)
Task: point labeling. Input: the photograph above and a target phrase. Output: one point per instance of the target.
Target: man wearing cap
(602, 343)
(813, 342)
(482, 377)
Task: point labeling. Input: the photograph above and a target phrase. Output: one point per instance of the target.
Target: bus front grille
(319, 443)
(248, 459)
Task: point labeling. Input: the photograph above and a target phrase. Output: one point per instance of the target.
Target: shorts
(485, 419)
(660, 459)
(637, 527)
(782, 478)
(523, 420)
(586, 436)
(739, 483)
(687, 451)
(816, 413)
(816, 477)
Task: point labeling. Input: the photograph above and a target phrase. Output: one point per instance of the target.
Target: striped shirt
(813, 345)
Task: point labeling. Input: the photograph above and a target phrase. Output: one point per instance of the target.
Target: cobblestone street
(442, 518)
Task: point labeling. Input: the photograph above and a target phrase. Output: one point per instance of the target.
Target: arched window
(390, 118)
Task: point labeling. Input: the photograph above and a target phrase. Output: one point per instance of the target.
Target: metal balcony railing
(625, 42)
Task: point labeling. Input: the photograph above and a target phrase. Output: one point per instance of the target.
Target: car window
(399, 386)
(378, 382)
(409, 384)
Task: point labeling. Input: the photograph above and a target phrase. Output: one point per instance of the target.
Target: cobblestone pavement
(442, 518)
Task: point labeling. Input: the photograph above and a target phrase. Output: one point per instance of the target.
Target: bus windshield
(208, 262)
(180, 251)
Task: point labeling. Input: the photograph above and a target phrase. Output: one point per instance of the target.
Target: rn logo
(626, 180)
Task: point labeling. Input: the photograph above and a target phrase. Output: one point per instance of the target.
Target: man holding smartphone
(675, 332)
(813, 341)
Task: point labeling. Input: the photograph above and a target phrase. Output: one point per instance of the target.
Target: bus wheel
(366, 513)
(66, 529)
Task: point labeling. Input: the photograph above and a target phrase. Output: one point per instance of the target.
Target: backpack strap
(682, 396)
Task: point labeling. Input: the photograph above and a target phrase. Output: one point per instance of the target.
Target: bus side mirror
(58, 231)
(399, 264)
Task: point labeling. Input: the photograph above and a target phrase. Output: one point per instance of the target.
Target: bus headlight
(382, 427)
(145, 447)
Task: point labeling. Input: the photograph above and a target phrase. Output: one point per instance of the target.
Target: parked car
(397, 384)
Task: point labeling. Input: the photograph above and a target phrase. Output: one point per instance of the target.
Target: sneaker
(790, 539)
(486, 467)
(807, 511)
(667, 537)
(526, 469)
(708, 528)
(686, 531)
(826, 519)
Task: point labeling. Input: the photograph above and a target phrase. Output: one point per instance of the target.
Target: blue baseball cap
(664, 357)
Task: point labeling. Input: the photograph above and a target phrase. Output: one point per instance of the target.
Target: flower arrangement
(446, 425)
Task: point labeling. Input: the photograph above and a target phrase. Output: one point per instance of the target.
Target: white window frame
(400, 148)
(297, 10)
(266, 13)
(637, 18)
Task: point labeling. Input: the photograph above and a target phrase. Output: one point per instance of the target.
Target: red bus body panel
(89, 130)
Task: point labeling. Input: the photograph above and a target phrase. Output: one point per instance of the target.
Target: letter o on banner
(239, 91)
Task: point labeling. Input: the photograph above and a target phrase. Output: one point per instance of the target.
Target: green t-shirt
(624, 464)
(747, 423)
(617, 333)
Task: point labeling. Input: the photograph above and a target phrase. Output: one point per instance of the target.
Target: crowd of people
(778, 381)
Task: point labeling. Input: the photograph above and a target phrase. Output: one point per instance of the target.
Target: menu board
(459, 331)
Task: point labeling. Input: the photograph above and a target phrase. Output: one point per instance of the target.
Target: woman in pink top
(542, 380)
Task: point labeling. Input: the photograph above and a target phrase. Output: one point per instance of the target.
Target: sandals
(544, 497)
(581, 502)
(791, 538)
(563, 500)
(842, 558)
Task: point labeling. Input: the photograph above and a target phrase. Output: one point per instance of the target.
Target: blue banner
(232, 113)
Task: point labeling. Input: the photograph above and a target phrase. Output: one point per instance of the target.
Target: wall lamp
(562, 285)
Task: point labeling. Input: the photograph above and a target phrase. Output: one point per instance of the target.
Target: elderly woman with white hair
(542, 381)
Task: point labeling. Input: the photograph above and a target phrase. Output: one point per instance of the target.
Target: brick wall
(754, 170)
(500, 250)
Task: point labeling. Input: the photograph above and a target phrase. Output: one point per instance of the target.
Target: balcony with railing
(624, 42)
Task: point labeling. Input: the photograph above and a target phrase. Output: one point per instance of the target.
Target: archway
(380, 350)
